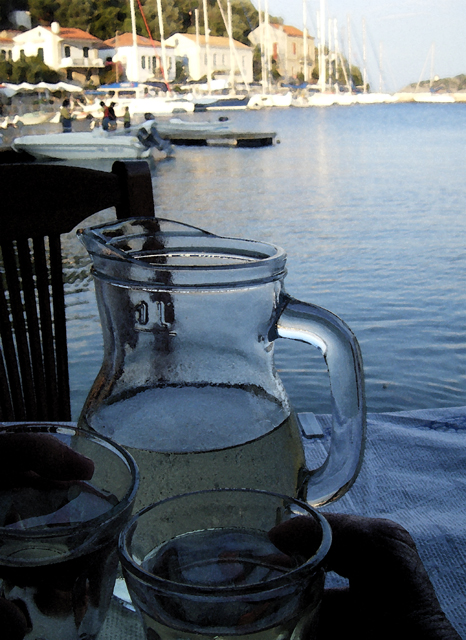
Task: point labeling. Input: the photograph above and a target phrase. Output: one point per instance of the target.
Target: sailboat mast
(304, 42)
(198, 44)
(432, 66)
(322, 65)
(232, 48)
(207, 49)
(364, 80)
(135, 44)
(267, 46)
(330, 54)
(380, 68)
(162, 40)
(262, 46)
(350, 52)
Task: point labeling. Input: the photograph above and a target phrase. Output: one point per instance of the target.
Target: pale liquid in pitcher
(224, 557)
(193, 438)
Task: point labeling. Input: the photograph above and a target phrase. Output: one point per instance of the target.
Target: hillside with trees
(104, 18)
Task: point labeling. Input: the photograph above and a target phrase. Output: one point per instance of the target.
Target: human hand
(390, 595)
(34, 458)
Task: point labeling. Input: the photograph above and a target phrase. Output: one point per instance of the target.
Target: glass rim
(195, 257)
(313, 562)
(73, 527)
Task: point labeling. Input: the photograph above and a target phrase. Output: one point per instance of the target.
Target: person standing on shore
(65, 116)
(126, 119)
(112, 119)
(105, 118)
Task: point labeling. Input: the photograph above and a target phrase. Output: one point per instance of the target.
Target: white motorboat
(183, 132)
(185, 127)
(261, 100)
(139, 142)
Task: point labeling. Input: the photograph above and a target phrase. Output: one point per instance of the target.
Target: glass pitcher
(188, 383)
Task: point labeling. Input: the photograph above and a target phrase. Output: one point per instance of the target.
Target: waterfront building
(199, 56)
(73, 52)
(7, 44)
(286, 46)
(144, 61)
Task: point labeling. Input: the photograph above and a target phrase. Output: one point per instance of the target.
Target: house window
(294, 48)
(67, 51)
(223, 60)
(215, 60)
(2, 54)
(40, 54)
(86, 52)
(21, 55)
(143, 62)
(154, 63)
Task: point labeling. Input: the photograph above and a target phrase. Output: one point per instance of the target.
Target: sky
(406, 40)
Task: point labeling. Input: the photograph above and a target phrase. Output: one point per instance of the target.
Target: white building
(195, 53)
(286, 47)
(7, 44)
(143, 62)
(67, 50)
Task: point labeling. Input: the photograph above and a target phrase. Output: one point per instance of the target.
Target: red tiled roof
(126, 40)
(215, 41)
(71, 33)
(290, 31)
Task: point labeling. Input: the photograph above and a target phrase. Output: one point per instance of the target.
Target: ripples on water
(369, 202)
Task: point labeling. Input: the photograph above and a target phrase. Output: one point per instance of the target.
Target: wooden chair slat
(32, 326)
(42, 202)
(62, 409)
(46, 324)
(21, 341)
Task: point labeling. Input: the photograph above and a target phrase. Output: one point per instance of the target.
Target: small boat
(220, 103)
(261, 101)
(183, 132)
(185, 127)
(139, 142)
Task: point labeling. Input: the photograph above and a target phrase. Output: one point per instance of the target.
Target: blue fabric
(414, 472)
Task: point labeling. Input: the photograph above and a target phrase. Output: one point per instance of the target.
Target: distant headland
(438, 85)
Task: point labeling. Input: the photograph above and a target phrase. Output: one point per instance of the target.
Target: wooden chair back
(40, 202)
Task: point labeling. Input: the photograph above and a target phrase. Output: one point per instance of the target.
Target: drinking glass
(59, 533)
(202, 565)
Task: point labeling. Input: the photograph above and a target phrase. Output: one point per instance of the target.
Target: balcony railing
(86, 63)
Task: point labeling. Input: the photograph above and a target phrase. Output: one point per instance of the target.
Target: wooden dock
(220, 137)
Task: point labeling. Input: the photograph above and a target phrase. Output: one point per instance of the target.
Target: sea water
(369, 203)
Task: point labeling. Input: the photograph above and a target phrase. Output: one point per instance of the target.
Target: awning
(10, 89)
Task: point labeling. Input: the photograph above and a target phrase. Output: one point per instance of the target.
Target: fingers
(300, 535)
(13, 624)
(45, 455)
(390, 594)
(382, 552)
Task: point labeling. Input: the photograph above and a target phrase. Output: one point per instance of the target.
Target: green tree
(6, 69)
(43, 11)
(356, 76)
(32, 69)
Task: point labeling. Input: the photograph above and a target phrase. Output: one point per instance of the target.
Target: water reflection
(369, 204)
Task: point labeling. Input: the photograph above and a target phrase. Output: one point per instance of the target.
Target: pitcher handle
(340, 349)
